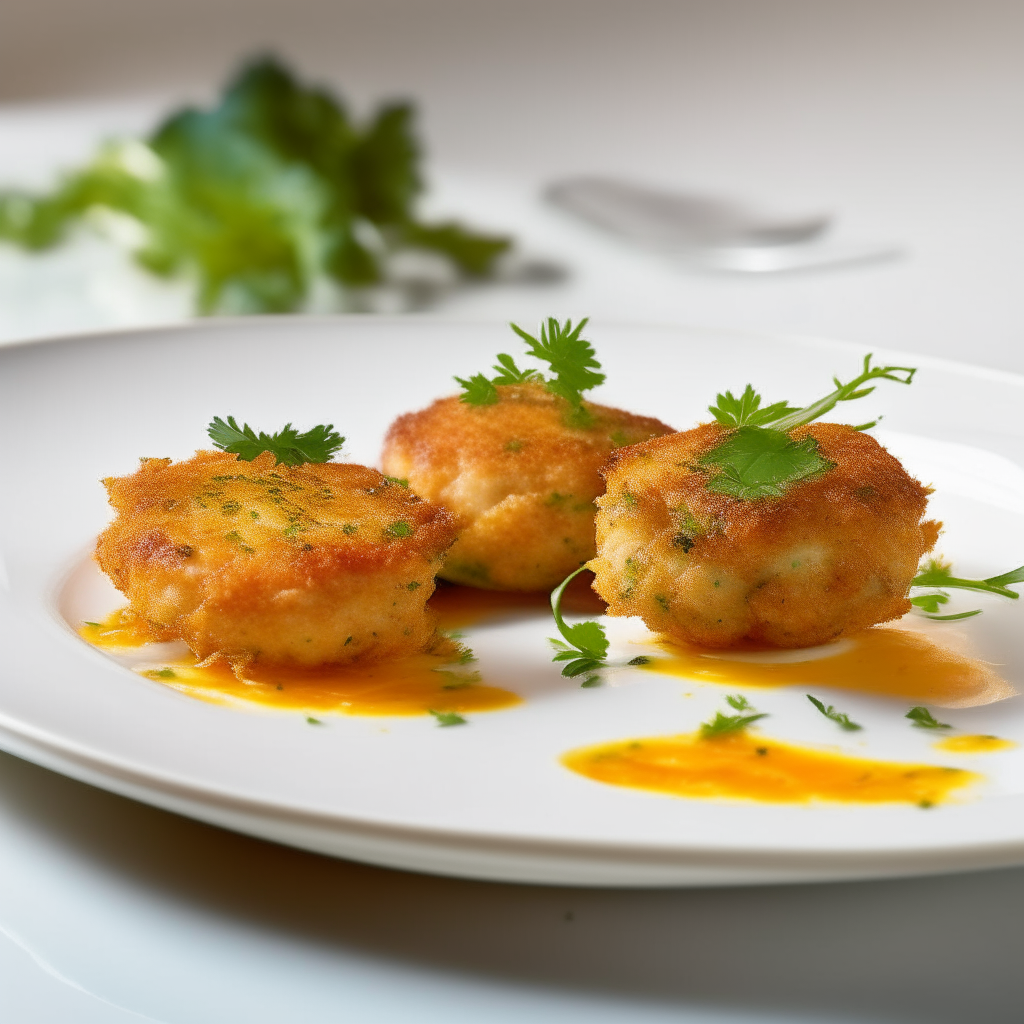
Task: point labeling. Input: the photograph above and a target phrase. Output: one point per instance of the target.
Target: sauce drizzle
(748, 767)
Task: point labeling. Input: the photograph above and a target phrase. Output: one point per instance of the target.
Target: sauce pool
(746, 767)
(896, 662)
(415, 685)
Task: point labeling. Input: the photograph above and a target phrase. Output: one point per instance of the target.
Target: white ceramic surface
(487, 800)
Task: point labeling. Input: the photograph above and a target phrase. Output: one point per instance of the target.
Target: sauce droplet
(974, 744)
(745, 767)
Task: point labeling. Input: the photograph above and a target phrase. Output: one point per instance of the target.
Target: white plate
(490, 799)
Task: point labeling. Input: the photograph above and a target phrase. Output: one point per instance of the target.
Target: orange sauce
(974, 744)
(897, 662)
(747, 767)
(118, 630)
(414, 685)
(457, 606)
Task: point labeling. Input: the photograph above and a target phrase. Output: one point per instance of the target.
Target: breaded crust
(833, 555)
(520, 480)
(317, 564)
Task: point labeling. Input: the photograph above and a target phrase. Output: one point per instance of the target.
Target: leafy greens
(571, 357)
(759, 459)
(584, 645)
(287, 446)
(260, 196)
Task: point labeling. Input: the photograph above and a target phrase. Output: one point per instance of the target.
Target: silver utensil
(707, 232)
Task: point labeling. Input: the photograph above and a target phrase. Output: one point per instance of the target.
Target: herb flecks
(584, 646)
(924, 719)
(839, 717)
(721, 724)
(288, 446)
(446, 718)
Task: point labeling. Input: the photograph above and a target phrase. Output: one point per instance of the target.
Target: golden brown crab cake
(520, 481)
(324, 563)
(832, 555)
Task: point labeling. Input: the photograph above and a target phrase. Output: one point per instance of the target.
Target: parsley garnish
(924, 719)
(746, 410)
(756, 462)
(940, 574)
(571, 358)
(586, 647)
(839, 717)
(759, 459)
(287, 446)
(722, 724)
(738, 702)
(448, 717)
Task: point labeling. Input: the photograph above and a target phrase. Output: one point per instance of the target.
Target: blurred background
(898, 119)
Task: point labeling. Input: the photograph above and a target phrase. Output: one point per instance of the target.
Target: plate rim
(175, 791)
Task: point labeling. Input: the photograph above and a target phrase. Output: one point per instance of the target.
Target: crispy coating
(520, 481)
(833, 555)
(318, 564)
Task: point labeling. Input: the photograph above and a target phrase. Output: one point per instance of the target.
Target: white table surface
(902, 118)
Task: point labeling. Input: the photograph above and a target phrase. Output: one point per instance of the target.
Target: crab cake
(831, 554)
(519, 479)
(321, 563)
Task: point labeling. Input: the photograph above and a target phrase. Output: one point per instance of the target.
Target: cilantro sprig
(584, 645)
(922, 718)
(759, 459)
(721, 724)
(288, 446)
(746, 410)
(571, 357)
(756, 462)
(939, 576)
(839, 717)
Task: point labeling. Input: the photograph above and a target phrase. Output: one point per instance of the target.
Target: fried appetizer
(762, 527)
(517, 461)
(288, 564)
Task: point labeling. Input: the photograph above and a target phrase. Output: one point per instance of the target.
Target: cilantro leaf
(757, 462)
(924, 719)
(287, 446)
(940, 574)
(477, 390)
(721, 724)
(571, 357)
(736, 412)
(738, 702)
(445, 718)
(509, 373)
(584, 645)
(746, 410)
(839, 717)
